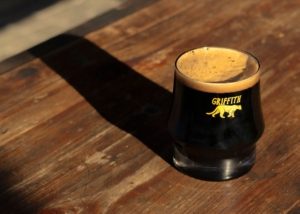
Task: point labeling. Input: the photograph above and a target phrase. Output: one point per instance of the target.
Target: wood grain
(83, 126)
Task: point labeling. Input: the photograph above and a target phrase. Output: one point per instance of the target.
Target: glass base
(218, 170)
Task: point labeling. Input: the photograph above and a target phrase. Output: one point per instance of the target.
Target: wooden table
(83, 121)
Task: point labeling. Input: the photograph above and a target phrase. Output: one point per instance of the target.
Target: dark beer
(216, 116)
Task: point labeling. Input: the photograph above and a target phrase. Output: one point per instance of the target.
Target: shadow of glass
(119, 94)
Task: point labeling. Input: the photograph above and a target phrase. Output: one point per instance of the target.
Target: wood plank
(126, 8)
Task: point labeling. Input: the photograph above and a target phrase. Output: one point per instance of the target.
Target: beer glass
(216, 118)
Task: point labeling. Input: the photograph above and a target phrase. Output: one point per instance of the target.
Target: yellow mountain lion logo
(221, 109)
(226, 105)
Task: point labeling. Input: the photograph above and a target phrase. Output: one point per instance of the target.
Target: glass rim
(227, 86)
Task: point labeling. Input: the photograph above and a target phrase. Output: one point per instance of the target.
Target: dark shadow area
(14, 10)
(12, 202)
(122, 96)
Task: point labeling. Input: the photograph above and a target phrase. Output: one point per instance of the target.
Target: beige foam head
(218, 70)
